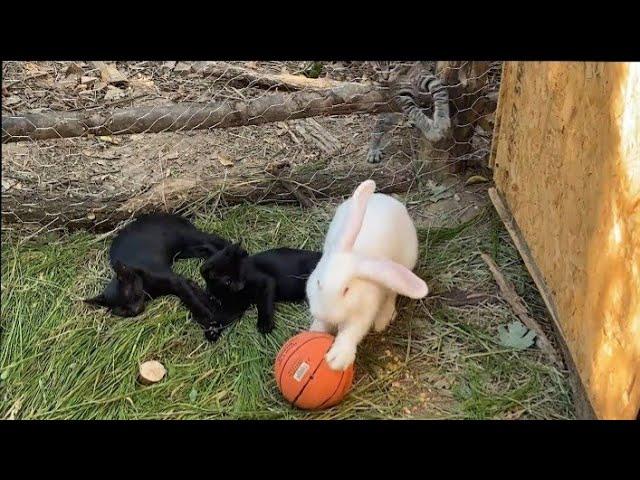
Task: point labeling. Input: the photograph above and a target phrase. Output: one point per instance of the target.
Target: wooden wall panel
(566, 158)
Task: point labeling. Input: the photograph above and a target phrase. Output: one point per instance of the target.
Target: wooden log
(277, 182)
(276, 107)
(246, 77)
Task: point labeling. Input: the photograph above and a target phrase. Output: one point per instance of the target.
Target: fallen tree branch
(245, 77)
(517, 304)
(34, 204)
(303, 200)
(276, 107)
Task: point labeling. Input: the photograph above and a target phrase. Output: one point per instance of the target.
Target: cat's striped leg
(384, 123)
(436, 128)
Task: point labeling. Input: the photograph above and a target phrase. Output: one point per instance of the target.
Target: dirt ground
(95, 171)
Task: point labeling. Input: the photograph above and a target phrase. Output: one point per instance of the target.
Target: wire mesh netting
(92, 144)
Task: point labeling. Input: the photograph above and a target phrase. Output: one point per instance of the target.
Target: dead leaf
(459, 298)
(438, 192)
(476, 179)
(169, 65)
(34, 69)
(67, 82)
(171, 156)
(94, 153)
(109, 139)
(199, 66)
(12, 100)
(7, 183)
(442, 383)
(16, 149)
(87, 79)
(224, 160)
(113, 93)
(277, 166)
(182, 67)
(110, 74)
(516, 336)
(171, 188)
(73, 69)
(143, 83)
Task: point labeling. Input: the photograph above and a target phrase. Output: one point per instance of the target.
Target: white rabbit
(369, 252)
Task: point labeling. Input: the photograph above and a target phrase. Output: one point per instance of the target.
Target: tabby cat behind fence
(410, 84)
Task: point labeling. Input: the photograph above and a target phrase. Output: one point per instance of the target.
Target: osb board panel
(567, 161)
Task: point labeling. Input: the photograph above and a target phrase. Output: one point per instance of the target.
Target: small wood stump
(151, 372)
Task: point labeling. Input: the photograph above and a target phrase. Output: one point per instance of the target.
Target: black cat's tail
(98, 301)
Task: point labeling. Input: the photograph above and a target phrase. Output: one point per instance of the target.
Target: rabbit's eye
(344, 292)
(318, 281)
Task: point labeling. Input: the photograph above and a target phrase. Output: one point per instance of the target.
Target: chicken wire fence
(92, 144)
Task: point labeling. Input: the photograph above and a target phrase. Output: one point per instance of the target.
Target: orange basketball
(303, 376)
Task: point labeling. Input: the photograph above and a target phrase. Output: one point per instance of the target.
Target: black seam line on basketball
(307, 384)
(334, 392)
(284, 363)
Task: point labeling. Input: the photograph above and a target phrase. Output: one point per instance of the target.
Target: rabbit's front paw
(340, 356)
(318, 326)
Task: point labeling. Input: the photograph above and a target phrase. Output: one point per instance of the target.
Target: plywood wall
(566, 158)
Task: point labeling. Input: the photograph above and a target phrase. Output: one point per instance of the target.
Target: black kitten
(141, 256)
(237, 280)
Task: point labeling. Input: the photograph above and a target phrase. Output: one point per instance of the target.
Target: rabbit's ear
(356, 214)
(393, 276)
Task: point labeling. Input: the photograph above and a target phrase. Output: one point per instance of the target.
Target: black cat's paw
(266, 327)
(213, 333)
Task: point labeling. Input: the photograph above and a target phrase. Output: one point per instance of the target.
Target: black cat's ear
(119, 267)
(123, 272)
(238, 250)
(206, 267)
(100, 301)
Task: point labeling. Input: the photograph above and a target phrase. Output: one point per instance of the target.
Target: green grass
(60, 359)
